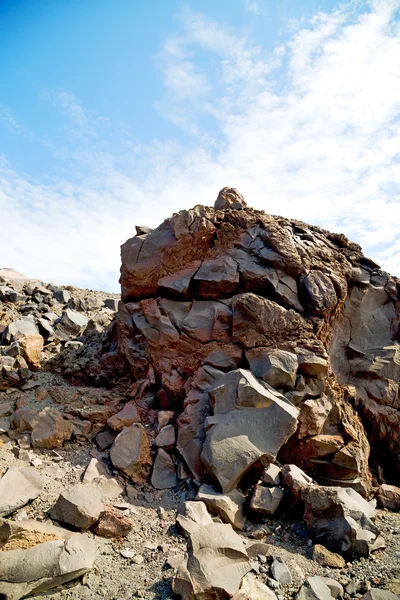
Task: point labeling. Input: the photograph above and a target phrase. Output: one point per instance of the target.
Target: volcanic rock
(228, 506)
(250, 422)
(216, 563)
(340, 519)
(131, 453)
(266, 500)
(389, 496)
(18, 486)
(45, 565)
(80, 506)
(164, 471)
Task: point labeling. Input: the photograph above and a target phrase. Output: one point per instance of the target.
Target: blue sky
(113, 114)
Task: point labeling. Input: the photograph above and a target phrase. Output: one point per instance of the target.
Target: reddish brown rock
(125, 417)
(112, 525)
(389, 496)
(49, 429)
(131, 453)
(226, 288)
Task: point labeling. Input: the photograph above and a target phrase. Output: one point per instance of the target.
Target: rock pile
(253, 362)
(234, 297)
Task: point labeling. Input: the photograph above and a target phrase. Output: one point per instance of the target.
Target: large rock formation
(250, 328)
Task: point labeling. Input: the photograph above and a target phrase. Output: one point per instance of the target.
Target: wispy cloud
(253, 7)
(317, 138)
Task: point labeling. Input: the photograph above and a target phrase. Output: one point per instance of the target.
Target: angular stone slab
(18, 486)
(251, 421)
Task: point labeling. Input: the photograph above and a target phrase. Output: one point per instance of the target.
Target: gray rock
(377, 594)
(72, 323)
(266, 500)
(62, 296)
(45, 566)
(21, 327)
(193, 515)
(216, 563)
(5, 424)
(280, 572)
(166, 438)
(80, 506)
(295, 480)
(253, 589)
(315, 588)
(318, 293)
(143, 229)
(251, 421)
(228, 506)
(164, 471)
(111, 303)
(130, 453)
(278, 368)
(18, 486)
(46, 330)
(340, 519)
(272, 475)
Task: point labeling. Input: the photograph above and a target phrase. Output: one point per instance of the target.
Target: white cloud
(253, 7)
(317, 139)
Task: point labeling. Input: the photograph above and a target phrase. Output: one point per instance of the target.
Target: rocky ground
(209, 436)
(156, 539)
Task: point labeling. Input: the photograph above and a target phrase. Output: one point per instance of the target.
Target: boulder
(49, 429)
(250, 422)
(228, 506)
(272, 475)
(25, 326)
(62, 296)
(79, 507)
(164, 471)
(130, 453)
(72, 323)
(216, 563)
(266, 500)
(280, 572)
(389, 496)
(44, 566)
(296, 481)
(18, 486)
(378, 594)
(229, 198)
(340, 519)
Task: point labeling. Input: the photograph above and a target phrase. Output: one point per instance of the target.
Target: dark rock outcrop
(230, 289)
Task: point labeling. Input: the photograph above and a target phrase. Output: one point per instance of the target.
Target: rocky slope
(247, 382)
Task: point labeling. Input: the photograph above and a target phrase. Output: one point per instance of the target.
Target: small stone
(138, 559)
(326, 558)
(112, 524)
(126, 553)
(280, 572)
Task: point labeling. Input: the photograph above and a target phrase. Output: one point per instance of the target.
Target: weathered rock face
(217, 291)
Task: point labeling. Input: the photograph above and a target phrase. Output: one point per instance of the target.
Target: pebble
(125, 553)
